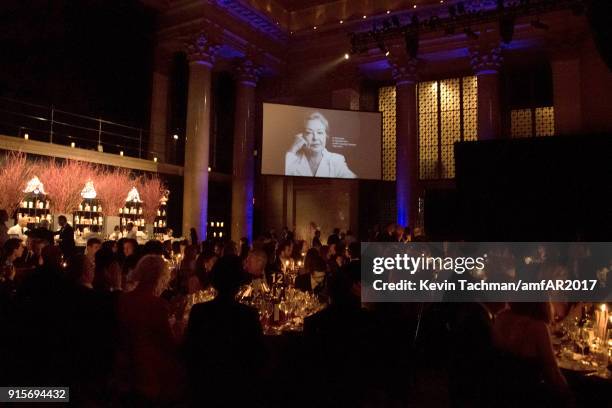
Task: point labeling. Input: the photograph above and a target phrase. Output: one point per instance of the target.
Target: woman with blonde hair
(147, 367)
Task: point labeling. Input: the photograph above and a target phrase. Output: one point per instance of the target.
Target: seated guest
(283, 258)
(107, 271)
(204, 264)
(223, 345)
(340, 339)
(334, 237)
(90, 331)
(93, 246)
(147, 369)
(255, 266)
(11, 251)
(315, 280)
(527, 359)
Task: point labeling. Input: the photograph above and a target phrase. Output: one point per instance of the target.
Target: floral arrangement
(64, 183)
(15, 172)
(152, 190)
(112, 186)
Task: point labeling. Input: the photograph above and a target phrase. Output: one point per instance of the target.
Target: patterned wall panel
(450, 105)
(428, 130)
(470, 108)
(520, 123)
(545, 121)
(386, 105)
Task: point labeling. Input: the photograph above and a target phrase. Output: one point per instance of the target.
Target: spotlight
(539, 25)
(470, 33)
(175, 137)
(396, 21)
(26, 136)
(383, 48)
(346, 56)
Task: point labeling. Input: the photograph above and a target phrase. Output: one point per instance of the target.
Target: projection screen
(310, 142)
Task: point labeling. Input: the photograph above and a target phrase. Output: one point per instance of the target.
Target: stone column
(567, 83)
(159, 107)
(243, 182)
(486, 61)
(201, 54)
(407, 142)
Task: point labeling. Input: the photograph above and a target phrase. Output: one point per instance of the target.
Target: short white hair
(318, 116)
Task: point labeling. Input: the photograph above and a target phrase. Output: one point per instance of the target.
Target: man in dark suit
(224, 343)
(334, 238)
(314, 281)
(66, 236)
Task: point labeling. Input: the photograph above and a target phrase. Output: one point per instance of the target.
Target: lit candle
(601, 321)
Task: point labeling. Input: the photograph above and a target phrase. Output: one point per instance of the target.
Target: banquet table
(588, 375)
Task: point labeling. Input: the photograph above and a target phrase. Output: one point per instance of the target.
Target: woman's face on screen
(315, 135)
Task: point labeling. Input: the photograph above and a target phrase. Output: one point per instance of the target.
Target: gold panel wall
(386, 105)
(448, 112)
(522, 122)
(545, 121)
(428, 129)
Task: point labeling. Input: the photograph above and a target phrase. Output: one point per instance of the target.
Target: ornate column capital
(247, 72)
(486, 58)
(201, 49)
(404, 70)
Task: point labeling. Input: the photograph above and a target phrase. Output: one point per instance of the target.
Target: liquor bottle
(158, 213)
(76, 219)
(121, 210)
(47, 205)
(95, 208)
(81, 207)
(30, 204)
(100, 208)
(139, 210)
